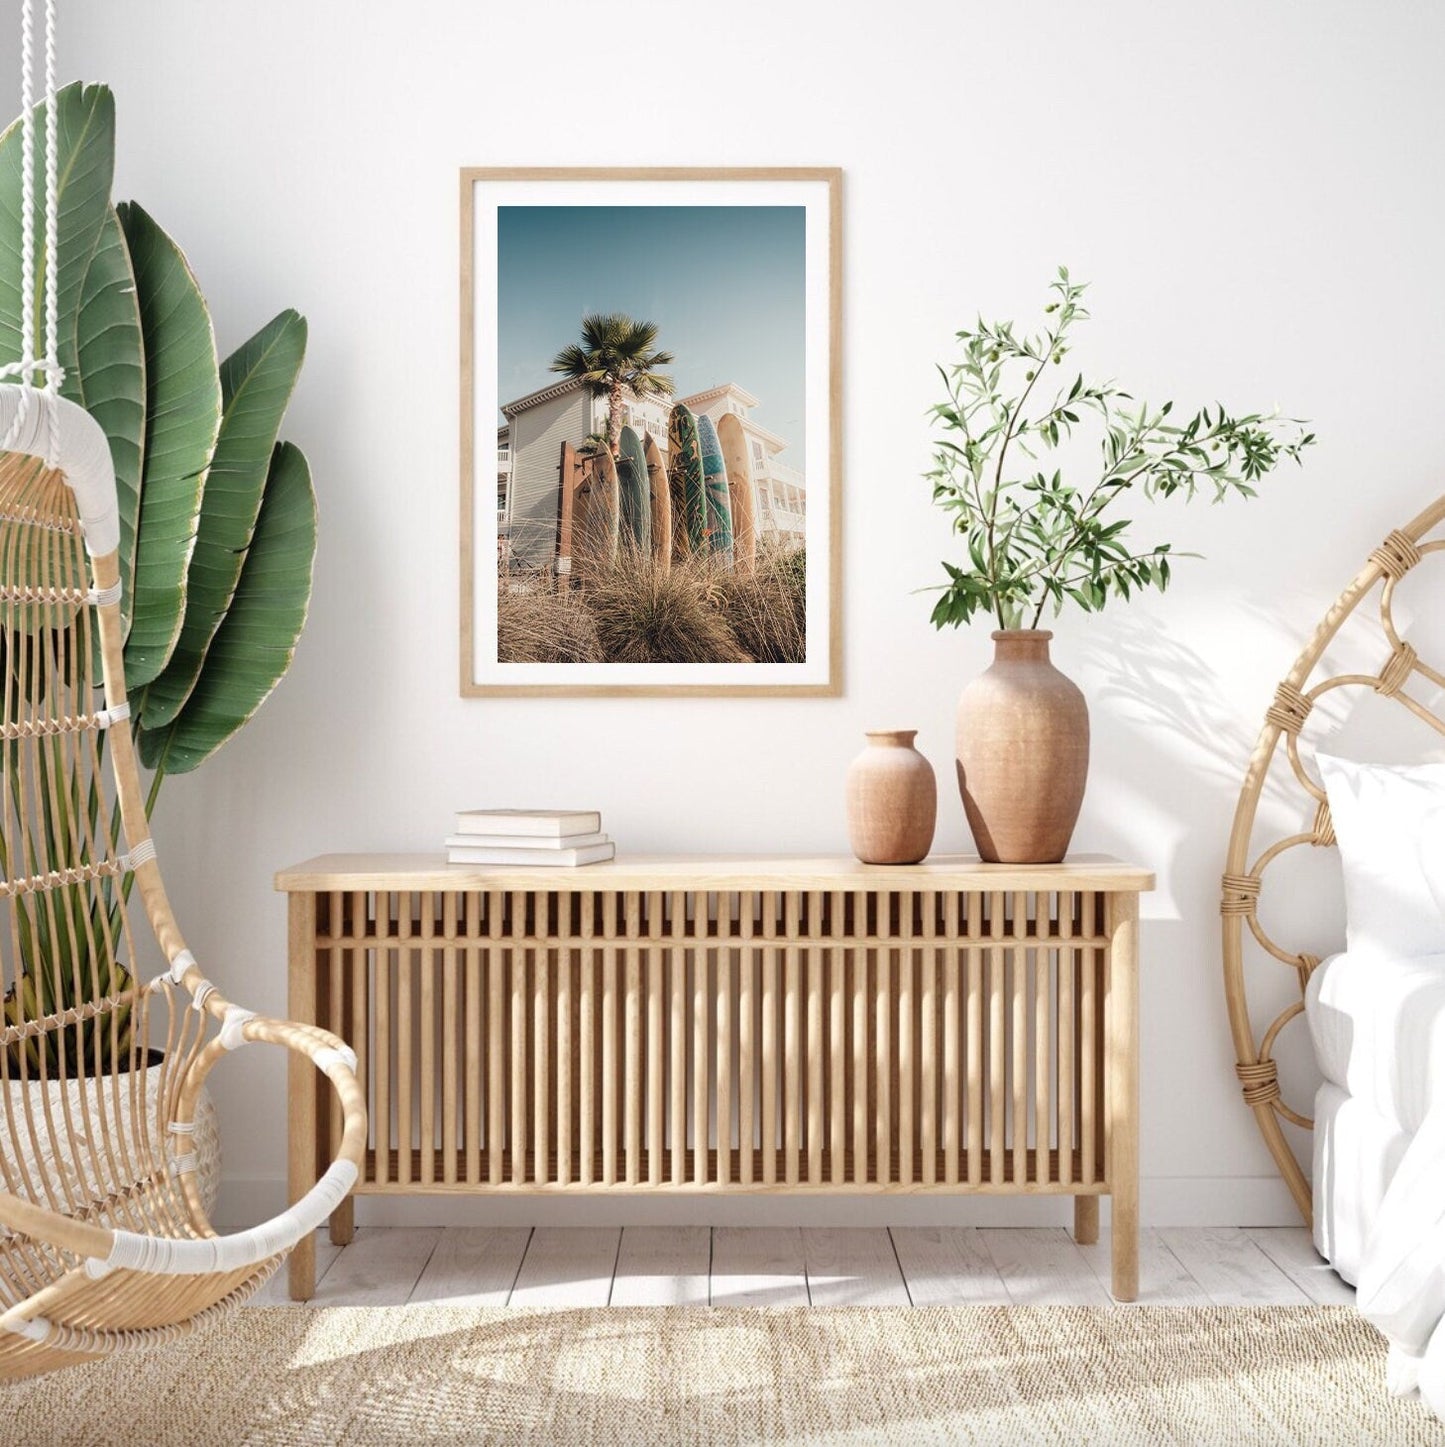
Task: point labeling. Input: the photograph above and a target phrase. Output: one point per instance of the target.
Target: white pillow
(1390, 823)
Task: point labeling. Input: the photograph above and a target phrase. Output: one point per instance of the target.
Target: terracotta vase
(892, 800)
(1022, 748)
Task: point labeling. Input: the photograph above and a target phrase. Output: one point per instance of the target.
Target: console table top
(962, 872)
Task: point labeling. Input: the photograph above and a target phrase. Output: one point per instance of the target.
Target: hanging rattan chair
(104, 1236)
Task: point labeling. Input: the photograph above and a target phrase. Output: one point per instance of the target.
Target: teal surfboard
(636, 493)
(715, 485)
(684, 476)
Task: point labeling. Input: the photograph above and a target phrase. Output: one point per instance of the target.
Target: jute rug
(398, 1375)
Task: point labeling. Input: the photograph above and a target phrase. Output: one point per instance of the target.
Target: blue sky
(723, 283)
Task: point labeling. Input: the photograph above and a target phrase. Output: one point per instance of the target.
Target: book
(524, 841)
(529, 823)
(559, 858)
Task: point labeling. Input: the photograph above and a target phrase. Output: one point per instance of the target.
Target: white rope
(325, 1059)
(26, 365)
(37, 1329)
(25, 368)
(233, 1023)
(52, 216)
(208, 1254)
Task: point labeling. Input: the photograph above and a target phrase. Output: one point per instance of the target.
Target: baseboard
(1164, 1201)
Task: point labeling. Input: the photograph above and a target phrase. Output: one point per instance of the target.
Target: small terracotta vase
(892, 799)
(1022, 747)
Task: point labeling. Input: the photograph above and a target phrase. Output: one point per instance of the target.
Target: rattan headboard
(1243, 876)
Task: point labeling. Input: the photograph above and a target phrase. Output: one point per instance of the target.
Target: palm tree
(616, 355)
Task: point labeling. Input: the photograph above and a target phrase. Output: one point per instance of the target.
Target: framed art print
(650, 439)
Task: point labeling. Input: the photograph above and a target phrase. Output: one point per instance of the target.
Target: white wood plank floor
(551, 1267)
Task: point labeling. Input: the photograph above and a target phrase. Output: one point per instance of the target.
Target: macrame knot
(1306, 964)
(1260, 1081)
(1289, 710)
(1240, 893)
(1396, 555)
(1396, 673)
(1324, 832)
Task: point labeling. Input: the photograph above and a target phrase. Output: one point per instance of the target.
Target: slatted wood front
(681, 1039)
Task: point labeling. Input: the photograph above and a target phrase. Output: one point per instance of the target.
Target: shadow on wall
(1180, 748)
(1173, 744)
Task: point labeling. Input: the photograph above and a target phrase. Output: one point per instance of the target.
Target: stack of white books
(560, 837)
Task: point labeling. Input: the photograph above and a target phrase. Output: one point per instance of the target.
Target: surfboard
(601, 524)
(742, 488)
(661, 500)
(635, 494)
(684, 479)
(715, 484)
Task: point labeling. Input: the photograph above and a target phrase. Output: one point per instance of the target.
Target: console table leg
(1122, 1007)
(343, 1222)
(1086, 1220)
(301, 1269)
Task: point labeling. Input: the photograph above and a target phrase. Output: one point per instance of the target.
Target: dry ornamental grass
(545, 628)
(639, 612)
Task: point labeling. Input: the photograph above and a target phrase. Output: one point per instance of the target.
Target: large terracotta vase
(1022, 748)
(892, 800)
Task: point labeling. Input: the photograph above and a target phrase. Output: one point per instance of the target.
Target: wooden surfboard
(661, 500)
(715, 484)
(635, 495)
(599, 541)
(742, 488)
(685, 486)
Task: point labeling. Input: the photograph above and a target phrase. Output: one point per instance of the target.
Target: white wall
(1251, 188)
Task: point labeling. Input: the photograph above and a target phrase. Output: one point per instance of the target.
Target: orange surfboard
(661, 502)
(742, 489)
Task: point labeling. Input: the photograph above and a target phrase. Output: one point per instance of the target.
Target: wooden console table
(705, 1025)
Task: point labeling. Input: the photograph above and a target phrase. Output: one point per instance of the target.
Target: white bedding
(1402, 1281)
(1356, 1155)
(1378, 1027)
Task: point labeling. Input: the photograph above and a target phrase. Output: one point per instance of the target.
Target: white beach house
(529, 450)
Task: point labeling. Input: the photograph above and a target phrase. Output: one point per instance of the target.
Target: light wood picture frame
(565, 567)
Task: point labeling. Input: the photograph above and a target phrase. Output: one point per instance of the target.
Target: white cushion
(1390, 823)
(1378, 1027)
(82, 454)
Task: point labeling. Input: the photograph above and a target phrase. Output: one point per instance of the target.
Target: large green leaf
(86, 149)
(109, 379)
(254, 645)
(256, 385)
(183, 416)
